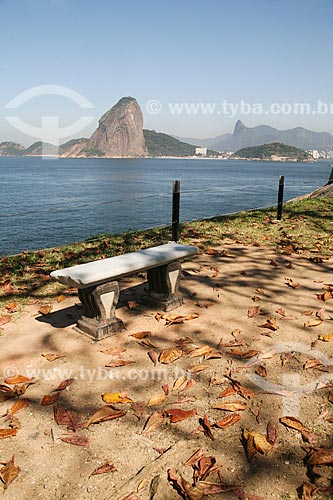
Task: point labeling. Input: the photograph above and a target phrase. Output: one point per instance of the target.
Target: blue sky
(175, 51)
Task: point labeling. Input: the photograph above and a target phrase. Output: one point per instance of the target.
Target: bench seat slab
(99, 303)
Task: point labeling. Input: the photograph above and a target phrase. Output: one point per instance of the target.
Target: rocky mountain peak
(239, 127)
(120, 131)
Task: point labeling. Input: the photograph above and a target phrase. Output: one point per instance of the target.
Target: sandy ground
(222, 289)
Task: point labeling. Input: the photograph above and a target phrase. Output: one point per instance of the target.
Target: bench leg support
(163, 286)
(99, 310)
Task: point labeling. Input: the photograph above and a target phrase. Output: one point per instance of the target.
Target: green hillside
(265, 151)
(159, 144)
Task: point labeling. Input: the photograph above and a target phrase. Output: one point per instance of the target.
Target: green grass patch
(306, 229)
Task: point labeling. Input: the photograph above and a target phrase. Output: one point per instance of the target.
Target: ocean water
(50, 202)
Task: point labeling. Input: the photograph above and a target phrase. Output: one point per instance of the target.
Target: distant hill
(243, 136)
(38, 148)
(10, 149)
(276, 149)
(159, 144)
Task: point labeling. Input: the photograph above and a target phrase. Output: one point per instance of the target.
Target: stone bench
(98, 287)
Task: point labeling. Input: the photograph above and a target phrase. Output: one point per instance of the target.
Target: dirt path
(234, 292)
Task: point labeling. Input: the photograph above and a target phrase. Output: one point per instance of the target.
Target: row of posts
(176, 206)
(176, 203)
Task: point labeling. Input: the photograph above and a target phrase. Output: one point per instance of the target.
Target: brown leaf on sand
(201, 351)
(321, 313)
(20, 389)
(327, 295)
(52, 356)
(117, 363)
(153, 356)
(64, 384)
(6, 393)
(45, 310)
(70, 418)
(157, 399)
(270, 324)
(228, 391)
(292, 284)
(9, 472)
(228, 421)
(326, 338)
(261, 371)
(207, 427)
(309, 490)
(50, 399)
(140, 335)
(18, 405)
(77, 440)
(255, 442)
(271, 433)
(18, 379)
(294, 423)
(281, 311)
(170, 355)
(7, 433)
(311, 363)
(177, 414)
(154, 422)
(5, 318)
(103, 469)
(61, 298)
(253, 312)
(319, 456)
(312, 322)
(194, 458)
(308, 312)
(103, 414)
(197, 368)
(231, 406)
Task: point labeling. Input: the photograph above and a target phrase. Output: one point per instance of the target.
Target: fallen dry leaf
(157, 399)
(155, 421)
(117, 363)
(270, 324)
(6, 393)
(45, 310)
(64, 384)
(116, 397)
(228, 421)
(50, 399)
(76, 440)
(207, 427)
(153, 356)
(252, 313)
(170, 355)
(201, 351)
(197, 368)
(104, 469)
(104, 414)
(52, 356)
(255, 442)
(18, 405)
(232, 406)
(9, 472)
(7, 433)
(326, 338)
(177, 414)
(140, 335)
(312, 322)
(61, 298)
(18, 379)
(5, 318)
(291, 283)
(70, 418)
